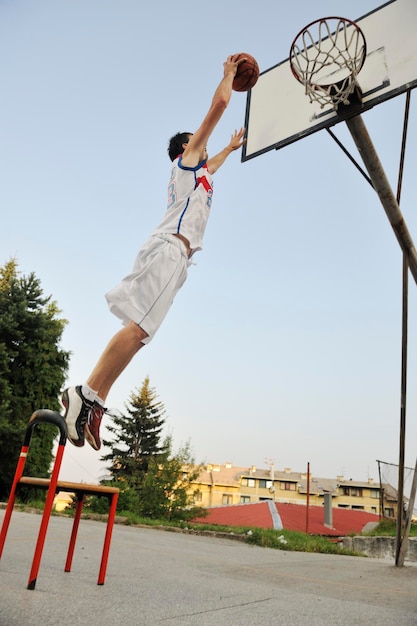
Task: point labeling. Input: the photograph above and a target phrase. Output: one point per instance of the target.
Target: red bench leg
(45, 518)
(9, 509)
(107, 539)
(77, 517)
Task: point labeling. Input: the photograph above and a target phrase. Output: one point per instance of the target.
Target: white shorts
(146, 294)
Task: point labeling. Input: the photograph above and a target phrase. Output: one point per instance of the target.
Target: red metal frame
(53, 485)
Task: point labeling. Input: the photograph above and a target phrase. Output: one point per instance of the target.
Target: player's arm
(235, 143)
(195, 150)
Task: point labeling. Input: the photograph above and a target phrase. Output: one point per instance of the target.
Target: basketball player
(142, 298)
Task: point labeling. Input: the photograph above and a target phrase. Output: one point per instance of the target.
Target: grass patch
(296, 541)
(388, 528)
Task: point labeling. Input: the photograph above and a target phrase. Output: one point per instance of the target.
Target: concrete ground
(174, 579)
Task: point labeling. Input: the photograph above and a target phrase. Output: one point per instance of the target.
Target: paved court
(174, 579)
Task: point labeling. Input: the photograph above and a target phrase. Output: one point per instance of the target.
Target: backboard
(278, 112)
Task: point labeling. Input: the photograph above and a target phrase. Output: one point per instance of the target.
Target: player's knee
(139, 336)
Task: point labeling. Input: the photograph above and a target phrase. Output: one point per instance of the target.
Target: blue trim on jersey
(199, 166)
(182, 215)
(191, 169)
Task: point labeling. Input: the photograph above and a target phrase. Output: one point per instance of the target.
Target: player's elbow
(220, 104)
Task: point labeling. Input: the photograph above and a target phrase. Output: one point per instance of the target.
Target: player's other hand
(238, 139)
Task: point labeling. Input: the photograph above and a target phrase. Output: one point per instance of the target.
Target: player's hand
(231, 64)
(238, 139)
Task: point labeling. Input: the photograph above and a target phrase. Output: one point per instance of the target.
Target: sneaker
(77, 409)
(92, 426)
(83, 418)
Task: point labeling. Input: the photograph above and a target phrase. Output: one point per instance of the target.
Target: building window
(287, 486)
(198, 496)
(227, 498)
(245, 499)
(355, 492)
(265, 484)
(374, 493)
(248, 482)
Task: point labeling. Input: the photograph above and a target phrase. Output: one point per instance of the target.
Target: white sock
(90, 394)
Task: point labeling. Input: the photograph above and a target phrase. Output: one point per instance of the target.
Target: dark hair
(175, 144)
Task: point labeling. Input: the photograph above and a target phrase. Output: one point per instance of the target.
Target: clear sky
(285, 342)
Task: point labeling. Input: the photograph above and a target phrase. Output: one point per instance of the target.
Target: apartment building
(220, 485)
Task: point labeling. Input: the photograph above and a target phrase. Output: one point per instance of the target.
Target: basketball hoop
(326, 57)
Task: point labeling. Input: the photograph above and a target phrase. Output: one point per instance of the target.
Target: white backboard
(278, 112)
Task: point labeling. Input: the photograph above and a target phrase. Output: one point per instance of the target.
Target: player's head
(177, 143)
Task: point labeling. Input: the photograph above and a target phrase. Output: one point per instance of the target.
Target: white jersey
(190, 192)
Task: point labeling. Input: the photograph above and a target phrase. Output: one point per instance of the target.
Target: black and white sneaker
(77, 411)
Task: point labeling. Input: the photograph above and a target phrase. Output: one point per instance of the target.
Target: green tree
(154, 481)
(137, 435)
(167, 491)
(32, 370)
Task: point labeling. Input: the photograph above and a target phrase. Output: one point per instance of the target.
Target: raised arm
(196, 147)
(235, 143)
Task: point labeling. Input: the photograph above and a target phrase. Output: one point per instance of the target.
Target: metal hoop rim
(303, 30)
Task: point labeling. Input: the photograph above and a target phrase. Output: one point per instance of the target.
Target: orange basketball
(247, 73)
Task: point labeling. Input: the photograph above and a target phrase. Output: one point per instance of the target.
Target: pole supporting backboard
(380, 182)
(402, 547)
(381, 185)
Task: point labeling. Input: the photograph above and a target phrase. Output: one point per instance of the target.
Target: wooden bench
(53, 486)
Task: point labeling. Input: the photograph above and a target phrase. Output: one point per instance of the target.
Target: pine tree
(32, 370)
(152, 479)
(137, 435)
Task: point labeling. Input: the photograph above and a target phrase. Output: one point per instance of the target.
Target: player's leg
(84, 404)
(145, 296)
(117, 355)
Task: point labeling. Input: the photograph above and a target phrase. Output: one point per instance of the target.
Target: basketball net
(326, 57)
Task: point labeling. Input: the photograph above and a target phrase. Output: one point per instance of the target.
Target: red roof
(293, 517)
(256, 514)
